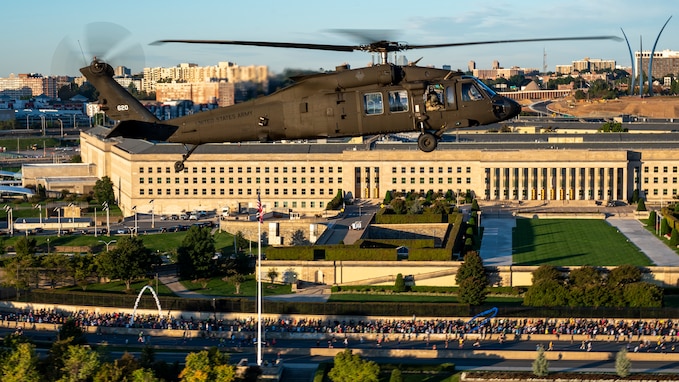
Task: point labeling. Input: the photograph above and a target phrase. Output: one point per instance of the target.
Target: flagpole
(259, 279)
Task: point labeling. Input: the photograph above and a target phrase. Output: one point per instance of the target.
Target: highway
(304, 351)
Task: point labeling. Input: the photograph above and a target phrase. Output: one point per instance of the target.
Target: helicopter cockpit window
(372, 103)
(470, 92)
(450, 96)
(398, 101)
(434, 98)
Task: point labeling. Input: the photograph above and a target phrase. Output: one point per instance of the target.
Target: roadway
(297, 351)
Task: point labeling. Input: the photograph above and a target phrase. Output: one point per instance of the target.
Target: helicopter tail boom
(114, 100)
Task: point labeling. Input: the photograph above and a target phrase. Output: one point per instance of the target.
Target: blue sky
(33, 31)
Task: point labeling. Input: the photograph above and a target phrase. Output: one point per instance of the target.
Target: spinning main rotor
(382, 47)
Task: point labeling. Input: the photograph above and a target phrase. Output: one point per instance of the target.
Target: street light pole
(58, 210)
(108, 223)
(107, 243)
(153, 216)
(135, 221)
(10, 220)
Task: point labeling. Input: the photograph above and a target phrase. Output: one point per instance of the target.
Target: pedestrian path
(496, 242)
(660, 254)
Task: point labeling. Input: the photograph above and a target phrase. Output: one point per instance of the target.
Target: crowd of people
(408, 329)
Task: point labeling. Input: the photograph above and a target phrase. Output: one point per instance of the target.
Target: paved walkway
(496, 244)
(660, 254)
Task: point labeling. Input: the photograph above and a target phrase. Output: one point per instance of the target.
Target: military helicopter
(380, 99)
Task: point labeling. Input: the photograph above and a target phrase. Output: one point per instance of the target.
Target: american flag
(260, 212)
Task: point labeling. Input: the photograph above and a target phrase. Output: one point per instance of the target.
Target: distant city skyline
(32, 34)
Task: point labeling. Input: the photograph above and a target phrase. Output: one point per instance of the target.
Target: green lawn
(572, 242)
(218, 287)
(411, 298)
(119, 287)
(155, 242)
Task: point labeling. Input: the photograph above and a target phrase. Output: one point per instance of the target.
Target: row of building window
(665, 180)
(431, 181)
(232, 191)
(248, 170)
(404, 170)
(665, 169)
(231, 180)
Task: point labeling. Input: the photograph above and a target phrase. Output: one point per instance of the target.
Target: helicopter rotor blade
(339, 48)
(378, 46)
(428, 46)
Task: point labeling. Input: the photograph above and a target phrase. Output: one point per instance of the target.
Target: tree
(612, 127)
(388, 198)
(207, 366)
(472, 280)
(80, 364)
(396, 376)
(20, 365)
(475, 205)
(72, 333)
(398, 205)
(586, 287)
(103, 191)
(337, 202)
(652, 217)
(128, 261)
(399, 284)
(674, 238)
(82, 268)
(25, 246)
(236, 279)
(623, 365)
(547, 289)
(545, 273)
(272, 274)
(298, 239)
(195, 253)
(664, 227)
(541, 364)
(623, 275)
(56, 268)
(643, 295)
(241, 241)
(349, 367)
(641, 206)
(17, 272)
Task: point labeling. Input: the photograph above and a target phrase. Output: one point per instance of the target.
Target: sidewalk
(496, 244)
(652, 246)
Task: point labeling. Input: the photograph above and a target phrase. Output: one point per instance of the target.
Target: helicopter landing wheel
(179, 166)
(427, 142)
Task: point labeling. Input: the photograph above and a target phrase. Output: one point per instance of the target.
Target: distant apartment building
(492, 74)
(28, 85)
(564, 69)
(593, 65)
(203, 84)
(665, 62)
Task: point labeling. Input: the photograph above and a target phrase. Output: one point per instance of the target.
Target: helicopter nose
(507, 109)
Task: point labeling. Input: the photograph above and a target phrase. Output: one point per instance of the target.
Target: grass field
(156, 242)
(572, 242)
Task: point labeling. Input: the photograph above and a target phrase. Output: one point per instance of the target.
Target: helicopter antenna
(82, 52)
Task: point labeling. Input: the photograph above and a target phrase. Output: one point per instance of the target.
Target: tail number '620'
(123, 107)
